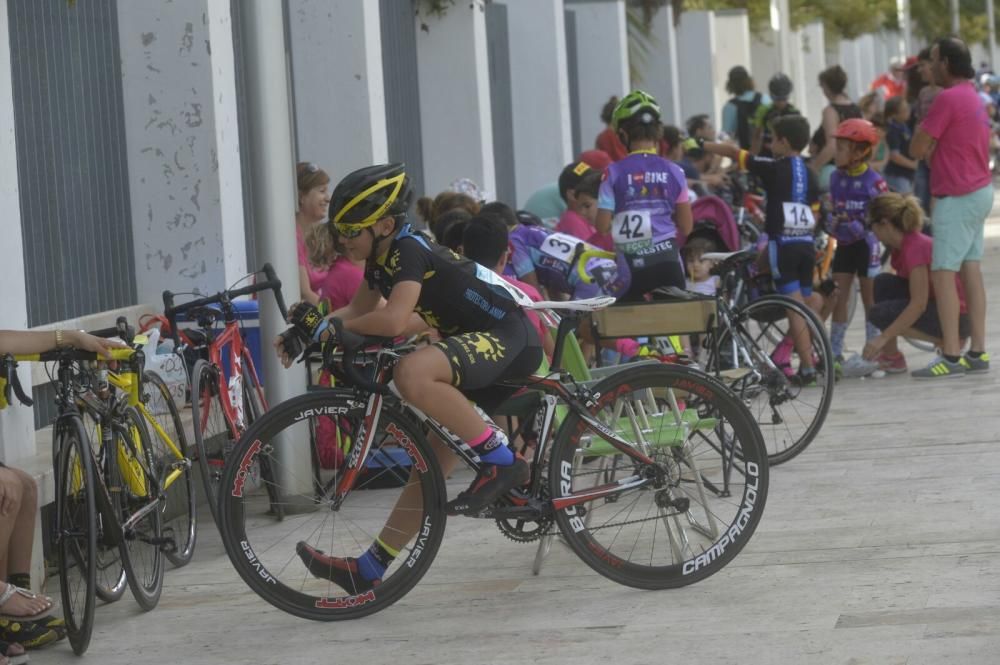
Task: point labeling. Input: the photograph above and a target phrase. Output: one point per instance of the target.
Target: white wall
(696, 50)
(179, 94)
(602, 61)
(543, 142)
(337, 77)
(17, 432)
(811, 54)
(455, 117)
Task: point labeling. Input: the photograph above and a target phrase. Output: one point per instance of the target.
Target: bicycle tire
(275, 573)
(687, 450)
(111, 579)
(180, 509)
(211, 430)
(783, 446)
(253, 401)
(75, 538)
(142, 552)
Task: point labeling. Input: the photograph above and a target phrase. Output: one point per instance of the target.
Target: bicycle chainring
(528, 531)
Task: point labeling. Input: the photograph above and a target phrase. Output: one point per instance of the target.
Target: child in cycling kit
(565, 265)
(643, 200)
(852, 187)
(487, 338)
(790, 216)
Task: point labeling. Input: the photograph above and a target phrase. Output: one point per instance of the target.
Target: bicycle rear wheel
(399, 467)
(710, 487)
(253, 403)
(212, 434)
(75, 537)
(789, 414)
(179, 516)
(141, 547)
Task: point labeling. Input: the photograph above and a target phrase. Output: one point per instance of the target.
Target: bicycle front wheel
(75, 536)
(141, 546)
(179, 516)
(789, 411)
(212, 433)
(688, 515)
(398, 497)
(111, 579)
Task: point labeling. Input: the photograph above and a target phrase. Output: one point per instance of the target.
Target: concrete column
(543, 142)
(811, 49)
(696, 34)
(179, 91)
(731, 47)
(336, 50)
(602, 60)
(17, 432)
(455, 118)
(659, 72)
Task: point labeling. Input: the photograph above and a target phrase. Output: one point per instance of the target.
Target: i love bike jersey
(850, 195)
(642, 191)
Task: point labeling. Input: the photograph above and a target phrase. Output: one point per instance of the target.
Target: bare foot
(23, 604)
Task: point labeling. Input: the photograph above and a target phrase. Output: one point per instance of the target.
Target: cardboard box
(656, 318)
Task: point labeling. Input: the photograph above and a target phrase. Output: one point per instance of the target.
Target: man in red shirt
(891, 83)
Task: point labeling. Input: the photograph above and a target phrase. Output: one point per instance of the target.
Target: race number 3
(560, 246)
(798, 217)
(630, 227)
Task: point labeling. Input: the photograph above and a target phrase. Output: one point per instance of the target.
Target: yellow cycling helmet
(369, 194)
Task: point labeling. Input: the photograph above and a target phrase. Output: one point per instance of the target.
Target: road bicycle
(111, 497)
(752, 347)
(656, 477)
(226, 392)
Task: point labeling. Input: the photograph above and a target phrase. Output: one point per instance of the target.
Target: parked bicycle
(753, 346)
(226, 392)
(111, 495)
(656, 477)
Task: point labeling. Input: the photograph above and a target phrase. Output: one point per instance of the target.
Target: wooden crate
(656, 318)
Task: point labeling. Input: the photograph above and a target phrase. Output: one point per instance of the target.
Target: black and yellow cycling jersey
(489, 337)
(458, 295)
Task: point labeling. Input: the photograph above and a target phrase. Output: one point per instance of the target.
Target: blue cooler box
(248, 313)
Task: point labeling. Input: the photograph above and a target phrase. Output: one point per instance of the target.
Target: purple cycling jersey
(642, 191)
(850, 195)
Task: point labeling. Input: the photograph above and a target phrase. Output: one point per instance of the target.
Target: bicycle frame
(232, 340)
(555, 391)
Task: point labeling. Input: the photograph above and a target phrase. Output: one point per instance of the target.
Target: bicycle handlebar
(272, 283)
(12, 383)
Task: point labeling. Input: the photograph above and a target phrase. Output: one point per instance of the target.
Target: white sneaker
(856, 366)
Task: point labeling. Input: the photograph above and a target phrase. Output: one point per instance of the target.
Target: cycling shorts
(855, 259)
(509, 350)
(792, 266)
(660, 268)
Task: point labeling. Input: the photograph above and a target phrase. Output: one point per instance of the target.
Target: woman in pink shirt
(344, 276)
(314, 199)
(904, 302)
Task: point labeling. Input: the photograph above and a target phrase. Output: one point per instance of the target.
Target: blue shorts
(958, 223)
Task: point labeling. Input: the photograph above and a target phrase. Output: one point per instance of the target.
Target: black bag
(745, 110)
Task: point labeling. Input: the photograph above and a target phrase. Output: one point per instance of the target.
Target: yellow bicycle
(114, 497)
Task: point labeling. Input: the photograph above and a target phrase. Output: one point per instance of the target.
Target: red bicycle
(226, 393)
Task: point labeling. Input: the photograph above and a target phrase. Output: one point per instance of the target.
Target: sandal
(10, 591)
(14, 652)
(29, 634)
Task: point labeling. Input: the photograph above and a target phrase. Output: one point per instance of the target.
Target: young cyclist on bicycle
(852, 187)
(790, 220)
(643, 200)
(487, 338)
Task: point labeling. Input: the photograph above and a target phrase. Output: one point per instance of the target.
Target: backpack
(745, 109)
